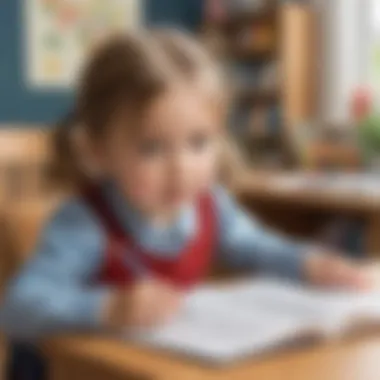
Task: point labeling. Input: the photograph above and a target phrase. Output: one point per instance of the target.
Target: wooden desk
(78, 358)
(262, 190)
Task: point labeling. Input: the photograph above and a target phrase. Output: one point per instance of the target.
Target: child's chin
(176, 201)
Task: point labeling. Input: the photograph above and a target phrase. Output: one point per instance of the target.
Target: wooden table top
(355, 359)
(278, 187)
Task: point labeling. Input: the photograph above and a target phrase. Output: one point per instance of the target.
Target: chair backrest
(26, 197)
(20, 227)
(25, 158)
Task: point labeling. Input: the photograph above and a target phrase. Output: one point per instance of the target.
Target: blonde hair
(133, 69)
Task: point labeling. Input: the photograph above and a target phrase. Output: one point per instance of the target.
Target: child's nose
(181, 166)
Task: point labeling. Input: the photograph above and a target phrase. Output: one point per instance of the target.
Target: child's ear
(88, 154)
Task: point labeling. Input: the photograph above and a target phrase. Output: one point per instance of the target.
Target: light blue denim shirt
(52, 293)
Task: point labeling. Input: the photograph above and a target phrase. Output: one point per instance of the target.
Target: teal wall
(19, 104)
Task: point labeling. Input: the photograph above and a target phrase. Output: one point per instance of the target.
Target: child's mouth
(175, 196)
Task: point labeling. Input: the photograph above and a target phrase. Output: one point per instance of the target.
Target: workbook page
(331, 310)
(222, 323)
(347, 310)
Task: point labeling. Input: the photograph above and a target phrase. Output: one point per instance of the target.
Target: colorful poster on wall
(60, 33)
(375, 49)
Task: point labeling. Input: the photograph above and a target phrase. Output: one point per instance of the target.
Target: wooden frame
(298, 53)
(25, 158)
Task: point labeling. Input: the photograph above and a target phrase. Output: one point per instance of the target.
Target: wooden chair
(25, 158)
(20, 226)
(20, 229)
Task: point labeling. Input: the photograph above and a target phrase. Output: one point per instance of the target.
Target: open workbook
(224, 323)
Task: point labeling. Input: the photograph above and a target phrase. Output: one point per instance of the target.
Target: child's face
(174, 156)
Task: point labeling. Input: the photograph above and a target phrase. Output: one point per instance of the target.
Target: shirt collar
(161, 240)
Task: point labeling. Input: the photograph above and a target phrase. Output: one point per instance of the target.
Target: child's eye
(151, 148)
(199, 142)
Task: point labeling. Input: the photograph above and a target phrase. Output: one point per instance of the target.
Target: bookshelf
(268, 47)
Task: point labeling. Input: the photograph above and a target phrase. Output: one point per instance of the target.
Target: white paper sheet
(221, 324)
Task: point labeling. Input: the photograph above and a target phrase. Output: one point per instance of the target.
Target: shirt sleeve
(52, 292)
(244, 242)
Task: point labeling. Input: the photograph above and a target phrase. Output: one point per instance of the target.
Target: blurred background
(306, 86)
(301, 69)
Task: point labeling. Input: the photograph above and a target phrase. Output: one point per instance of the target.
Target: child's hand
(148, 303)
(336, 271)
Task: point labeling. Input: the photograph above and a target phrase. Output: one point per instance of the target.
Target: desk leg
(373, 236)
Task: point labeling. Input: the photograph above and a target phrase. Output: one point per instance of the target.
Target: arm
(51, 293)
(245, 243)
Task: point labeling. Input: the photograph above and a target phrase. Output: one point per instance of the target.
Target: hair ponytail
(65, 167)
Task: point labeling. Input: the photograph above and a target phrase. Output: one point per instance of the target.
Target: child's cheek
(147, 187)
(207, 173)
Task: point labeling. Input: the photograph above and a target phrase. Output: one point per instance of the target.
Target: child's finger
(372, 273)
(170, 305)
(354, 277)
(168, 314)
(335, 272)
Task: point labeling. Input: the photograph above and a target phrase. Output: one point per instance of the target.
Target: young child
(150, 215)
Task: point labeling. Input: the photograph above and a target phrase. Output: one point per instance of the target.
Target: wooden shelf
(250, 55)
(264, 141)
(257, 97)
(242, 18)
(279, 36)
